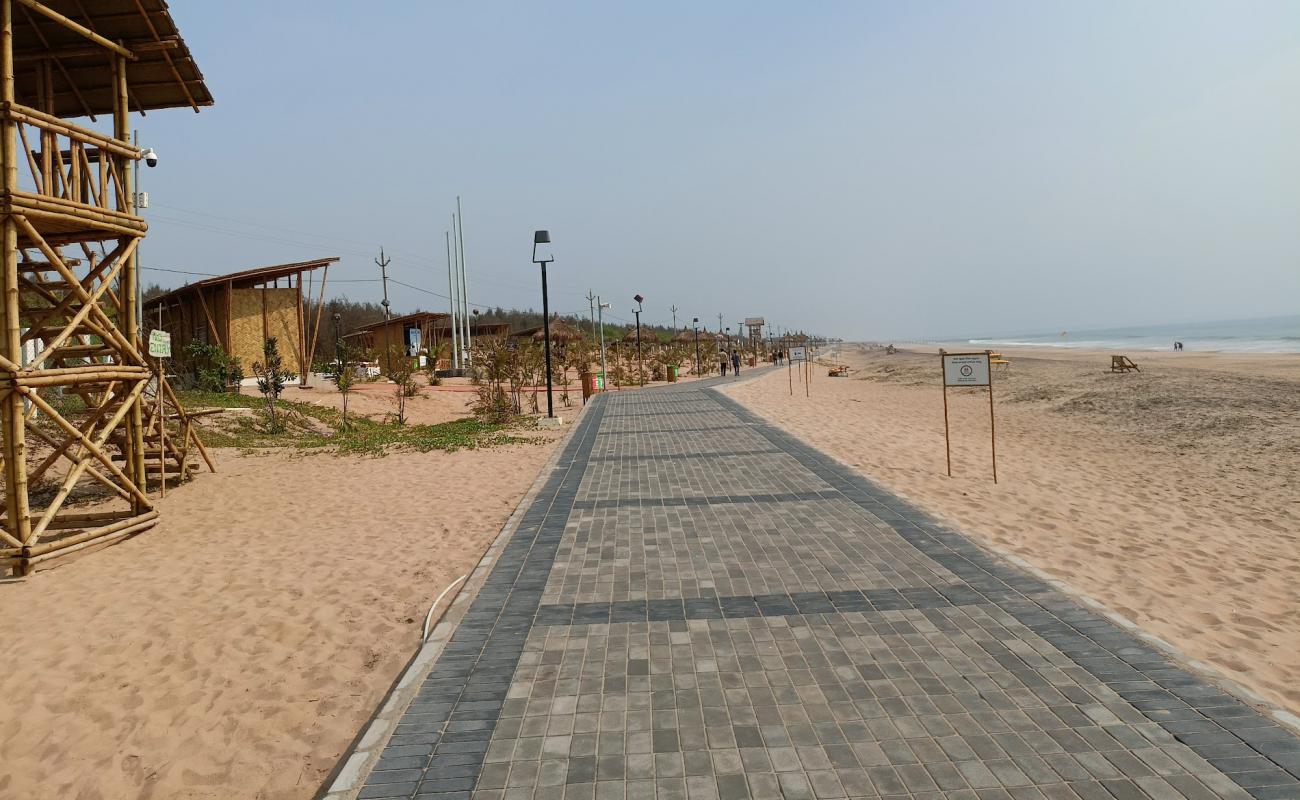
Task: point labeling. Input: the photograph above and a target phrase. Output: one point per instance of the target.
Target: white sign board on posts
(966, 369)
(160, 344)
(798, 354)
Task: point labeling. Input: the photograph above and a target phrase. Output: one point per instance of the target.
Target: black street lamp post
(640, 365)
(695, 324)
(544, 237)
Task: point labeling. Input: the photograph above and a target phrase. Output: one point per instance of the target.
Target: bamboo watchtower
(72, 372)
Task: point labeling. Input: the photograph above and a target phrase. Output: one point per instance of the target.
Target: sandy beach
(1169, 495)
(237, 649)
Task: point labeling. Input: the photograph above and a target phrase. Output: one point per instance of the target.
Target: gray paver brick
(698, 606)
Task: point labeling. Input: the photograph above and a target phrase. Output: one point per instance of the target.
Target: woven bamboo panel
(281, 322)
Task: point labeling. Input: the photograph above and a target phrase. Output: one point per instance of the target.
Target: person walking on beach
(735, 361)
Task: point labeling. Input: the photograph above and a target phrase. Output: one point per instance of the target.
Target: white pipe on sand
(429, 616)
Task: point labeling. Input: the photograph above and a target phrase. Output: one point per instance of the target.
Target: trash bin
(753, 361)
(590, 385)
(672, 373)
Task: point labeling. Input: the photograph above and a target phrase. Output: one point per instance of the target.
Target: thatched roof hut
(648, 336)
(685, 337)
(561, 331)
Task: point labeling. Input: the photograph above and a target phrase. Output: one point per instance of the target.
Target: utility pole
(467, 338)
(383, 263)
(451, 298)
(719, 323)
(674, 310)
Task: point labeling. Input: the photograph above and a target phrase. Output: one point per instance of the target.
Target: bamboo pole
(94, 473)
(203, 451)
(302, 339)
(85, 310)
(162, 433)
(127, 283)
(100, 537)
(320, 306)
(110, 330)
(62, 305)
(11, 412)
(76, 27)
(94, 449)
(61, 448)
(212, 323)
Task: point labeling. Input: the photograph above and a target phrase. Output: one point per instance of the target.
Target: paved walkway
(700, 607)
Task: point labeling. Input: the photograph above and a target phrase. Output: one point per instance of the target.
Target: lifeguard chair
(1123, 364)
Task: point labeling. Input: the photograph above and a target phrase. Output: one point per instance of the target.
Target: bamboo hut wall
(246, 329)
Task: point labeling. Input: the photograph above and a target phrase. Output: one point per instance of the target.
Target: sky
(867, 170)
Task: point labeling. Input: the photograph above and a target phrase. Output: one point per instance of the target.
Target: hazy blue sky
(863, 169)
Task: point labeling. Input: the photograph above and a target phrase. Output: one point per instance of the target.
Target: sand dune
(237, 649)
(1168, 495)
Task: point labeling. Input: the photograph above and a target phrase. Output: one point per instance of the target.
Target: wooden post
(947, 444)
(18, 520)
(320, 306)
(789, 374)
(993, 436)
(162, 433)
(230, 344)
(302, 338)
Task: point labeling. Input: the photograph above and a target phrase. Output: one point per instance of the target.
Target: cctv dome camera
(150, 157)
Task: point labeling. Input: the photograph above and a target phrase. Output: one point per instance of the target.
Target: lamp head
(639, 299)
(541, 237)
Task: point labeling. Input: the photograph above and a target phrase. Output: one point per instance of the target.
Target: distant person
(723, 365)
(1178, 345)
(735, 361)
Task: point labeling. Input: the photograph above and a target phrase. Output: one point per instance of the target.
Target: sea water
(1270, 335)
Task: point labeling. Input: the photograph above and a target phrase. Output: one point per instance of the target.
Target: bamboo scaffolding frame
(84, 321)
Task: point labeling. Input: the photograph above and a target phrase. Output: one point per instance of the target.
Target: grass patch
(311, 427)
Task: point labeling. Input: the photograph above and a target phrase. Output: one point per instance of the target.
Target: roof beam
(168, 58)
(141, 46)
(76, 27)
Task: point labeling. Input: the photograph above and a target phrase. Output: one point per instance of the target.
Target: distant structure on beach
(240, 311)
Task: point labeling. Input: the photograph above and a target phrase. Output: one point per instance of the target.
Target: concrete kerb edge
(349, 779)
(1268, 708)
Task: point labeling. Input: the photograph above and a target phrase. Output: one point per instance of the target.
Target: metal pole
(383, 270)
(459, 319)
(451, 299)
(468, 338)
(546, 332)
(640, 365)
(697, 348)
(674, 310)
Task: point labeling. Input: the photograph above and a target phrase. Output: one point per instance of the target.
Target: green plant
(400, 369)
(344, 378)
(215, 370)
(494, 364)
(270, 378)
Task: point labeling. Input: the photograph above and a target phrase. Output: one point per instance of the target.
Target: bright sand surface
(237, 649)
(1169, 495)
